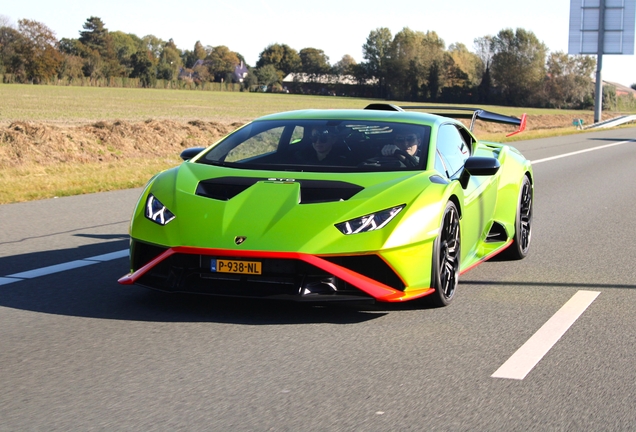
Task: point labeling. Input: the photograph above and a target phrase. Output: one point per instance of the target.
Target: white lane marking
(43, 271)
(530, 353)
(109, 256)
(6, 280)
(538, 161)
(52, 269)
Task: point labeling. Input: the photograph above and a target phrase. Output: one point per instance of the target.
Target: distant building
(240, 72)
(329, 84)
(622, 90)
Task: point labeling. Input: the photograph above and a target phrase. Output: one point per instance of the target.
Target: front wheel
(446, 256)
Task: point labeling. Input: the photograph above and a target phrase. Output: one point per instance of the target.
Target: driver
(324, 148)
(405, 140)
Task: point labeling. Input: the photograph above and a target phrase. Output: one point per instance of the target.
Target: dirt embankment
(24, 143)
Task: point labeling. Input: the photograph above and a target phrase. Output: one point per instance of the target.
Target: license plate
(233, 266)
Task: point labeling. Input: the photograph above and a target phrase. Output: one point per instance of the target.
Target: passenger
(408, 142)
(324, 149)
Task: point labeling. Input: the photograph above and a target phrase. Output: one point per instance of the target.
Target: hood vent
(321, 191)
(224, 188)
(311, 191)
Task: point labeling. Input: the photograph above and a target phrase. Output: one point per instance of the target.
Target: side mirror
(478, 166)
(189, 153)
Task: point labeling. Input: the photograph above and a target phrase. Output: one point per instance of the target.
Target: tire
(523, 223)
(446, 257)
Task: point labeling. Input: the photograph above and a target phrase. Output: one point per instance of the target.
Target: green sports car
(383, 203)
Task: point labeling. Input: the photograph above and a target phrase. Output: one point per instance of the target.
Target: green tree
(98, 50)
(376, 52)
(154, 46)
(314, 61)
(70, 46)
(191, 57)
(284, 58)
(411, 56)
(202, 74)
(434, 81)
(485, 87)
(221, 63)
(345, 66)
(71, 67)
(250, 80)
(568, 83)
(143, 68)
(466, 63)
(125, 45)
(610, 99)
(38, 50)
(199, 51)
(169, 61)
(95, 35)
(267, 75)
(10, 60)
(518, 65)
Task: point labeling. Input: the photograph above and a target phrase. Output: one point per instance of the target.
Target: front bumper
(285, 275)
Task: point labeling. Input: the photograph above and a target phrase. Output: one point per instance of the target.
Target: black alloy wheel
(446, 257)
(523, 223)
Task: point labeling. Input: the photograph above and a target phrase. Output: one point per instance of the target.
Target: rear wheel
(446, 255)
(523, 224)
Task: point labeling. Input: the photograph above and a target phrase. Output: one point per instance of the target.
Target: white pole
(598, 98)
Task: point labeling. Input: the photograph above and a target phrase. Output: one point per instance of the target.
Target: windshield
(323, 145)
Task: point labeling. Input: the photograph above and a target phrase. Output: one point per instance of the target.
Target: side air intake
(497, 233)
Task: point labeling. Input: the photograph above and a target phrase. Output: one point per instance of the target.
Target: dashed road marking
(531, 353)
(109, 256)
(44, 271)
(7, 280)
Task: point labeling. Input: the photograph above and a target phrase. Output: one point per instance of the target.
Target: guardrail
(617, 121)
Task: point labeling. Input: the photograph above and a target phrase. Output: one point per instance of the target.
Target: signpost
(601, 27)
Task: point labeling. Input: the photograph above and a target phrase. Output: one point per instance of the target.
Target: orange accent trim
(487, 257)
(522, 125)
(375, 289)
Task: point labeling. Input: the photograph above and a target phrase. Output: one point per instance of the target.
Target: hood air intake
(311, 191)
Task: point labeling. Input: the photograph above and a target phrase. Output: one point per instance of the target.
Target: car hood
(283, 211)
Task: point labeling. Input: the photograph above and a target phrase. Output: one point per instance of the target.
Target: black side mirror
(189, 153)
(478, 166)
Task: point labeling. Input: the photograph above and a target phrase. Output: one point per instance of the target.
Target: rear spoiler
(458, 112)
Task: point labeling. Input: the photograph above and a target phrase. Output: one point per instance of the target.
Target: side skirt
(486, 257)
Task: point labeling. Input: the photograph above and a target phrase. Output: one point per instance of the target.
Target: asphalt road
(80, 352)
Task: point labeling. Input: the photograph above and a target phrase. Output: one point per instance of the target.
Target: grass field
(72, 105)
(57, 141)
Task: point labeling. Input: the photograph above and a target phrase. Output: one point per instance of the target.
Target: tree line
(512, 67)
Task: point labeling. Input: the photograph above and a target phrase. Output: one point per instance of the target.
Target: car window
(263, 143)
(439, 165)
(452, 148)
(324, 146)
(297, 134)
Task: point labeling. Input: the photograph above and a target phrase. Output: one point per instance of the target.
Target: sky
(338, 27)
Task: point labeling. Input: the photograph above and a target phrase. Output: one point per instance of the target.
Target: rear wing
(458, 112)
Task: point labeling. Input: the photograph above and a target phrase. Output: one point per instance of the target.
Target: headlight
(370, 222)
(157, 212)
